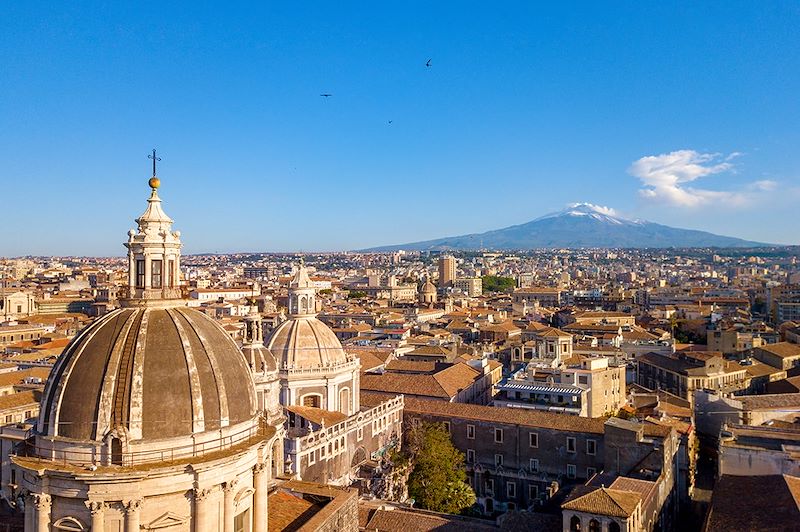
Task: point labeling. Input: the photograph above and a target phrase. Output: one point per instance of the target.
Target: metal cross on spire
(154, 158)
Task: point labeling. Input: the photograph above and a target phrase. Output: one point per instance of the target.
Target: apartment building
(588, 388)
(685, 371)
(472, 286)
(518, 458)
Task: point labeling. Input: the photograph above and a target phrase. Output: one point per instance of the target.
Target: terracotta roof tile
(16, 400)
(603, 501)
(771, 503)
(317, 415)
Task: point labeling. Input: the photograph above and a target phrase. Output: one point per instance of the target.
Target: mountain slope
(580, 225)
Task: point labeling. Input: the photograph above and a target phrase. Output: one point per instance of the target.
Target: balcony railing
(103, 455)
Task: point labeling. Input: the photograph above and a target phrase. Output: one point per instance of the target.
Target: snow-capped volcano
(580, 225)
(597, 212)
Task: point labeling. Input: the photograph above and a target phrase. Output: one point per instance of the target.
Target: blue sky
(681, 113)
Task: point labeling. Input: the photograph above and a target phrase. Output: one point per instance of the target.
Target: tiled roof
(317, 415)
(400, 520)
(771, 503)
(511, 416)
(16, 400)
(431, 350)
(16, 377)
(411, 366)
(603, 501)
(444, 384)
(397, 383)
(759, 369)
(756, 402)
(781, 349)
(645, 488)
(368, 360)
(286, 511)
(456, 378)
(552, 332)
(506, 326)
(601, 314)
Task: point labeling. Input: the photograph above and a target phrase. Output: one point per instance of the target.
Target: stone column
(131, 272)
(147, 270)
(201, 509)
(30, 512)
(42, 502)
(333, 398)
(260, 483)
(97, 509)
(132, 508)
(230, 507)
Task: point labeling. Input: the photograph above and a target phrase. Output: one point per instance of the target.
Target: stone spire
(154, 252)
(302, 295)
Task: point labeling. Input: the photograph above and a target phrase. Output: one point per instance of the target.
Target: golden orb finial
(154, 182)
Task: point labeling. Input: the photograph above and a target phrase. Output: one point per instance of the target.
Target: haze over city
(440, 121)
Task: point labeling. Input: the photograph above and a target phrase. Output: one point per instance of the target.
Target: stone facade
(516, 459)
(334, 454)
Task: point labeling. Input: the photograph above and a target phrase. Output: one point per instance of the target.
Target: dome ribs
(119, 410)
(196, 396)
(105, 399)
(320, 346)
(224, 420)
(54, 387)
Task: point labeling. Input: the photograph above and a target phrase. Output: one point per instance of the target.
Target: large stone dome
(154, 372)
(305, 343)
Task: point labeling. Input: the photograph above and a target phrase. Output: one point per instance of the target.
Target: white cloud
(665, 177)
(602, 209)
(765, 185)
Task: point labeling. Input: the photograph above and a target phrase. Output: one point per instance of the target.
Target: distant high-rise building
(447, 271)
(472, 286)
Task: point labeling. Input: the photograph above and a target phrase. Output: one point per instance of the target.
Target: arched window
(359, 457)
(594, 525)
(116, 451)
(613, 526)
(575, 523)
(303, 304)
(69, 524)
(344, 401)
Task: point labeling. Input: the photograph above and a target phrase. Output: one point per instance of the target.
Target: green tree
(356, 294)
(438, 479)
(495, 283)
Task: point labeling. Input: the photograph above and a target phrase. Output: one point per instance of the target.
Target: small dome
(305, 342)
(428, 287)
(260, 358)
(156, 372)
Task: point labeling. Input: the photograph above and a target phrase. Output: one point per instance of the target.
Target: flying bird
(390, 121)
(428, 63)
(326, 95)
